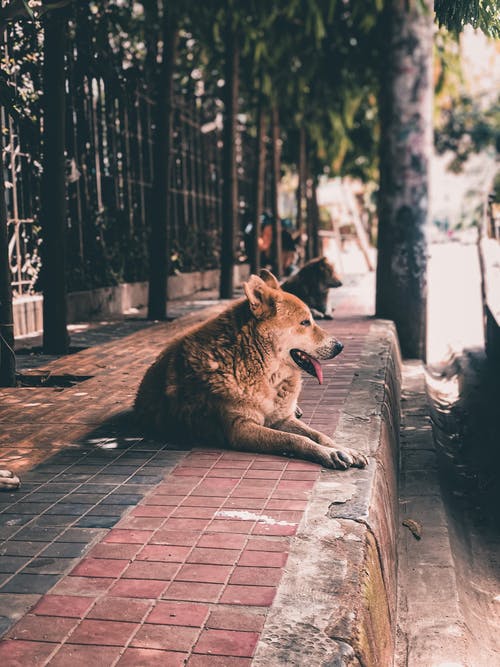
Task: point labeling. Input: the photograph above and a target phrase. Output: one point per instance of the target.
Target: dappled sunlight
(444, 388)
(108, 443)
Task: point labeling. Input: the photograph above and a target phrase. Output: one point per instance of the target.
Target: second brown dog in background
(311, 284)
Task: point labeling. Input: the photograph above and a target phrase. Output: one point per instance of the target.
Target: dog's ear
(269, 278)
(261, 298)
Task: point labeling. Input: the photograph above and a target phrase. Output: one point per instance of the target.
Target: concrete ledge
(28, 317)
(336, 605)
(489, 253)
(117, 300)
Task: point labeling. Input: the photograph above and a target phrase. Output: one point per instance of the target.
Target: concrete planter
(117, 300)
(489, 253)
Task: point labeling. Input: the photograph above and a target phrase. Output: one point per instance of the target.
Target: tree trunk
(309, 250)
(315, 244)
(277, 251)
(405, 151)
(301, 187)
(159, 209)
(260, 167)
(229, 176)
(53, 186)
(312, 222)
(7, 357)
(151, 34)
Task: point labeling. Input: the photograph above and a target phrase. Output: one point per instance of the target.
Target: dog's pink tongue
(317, 369)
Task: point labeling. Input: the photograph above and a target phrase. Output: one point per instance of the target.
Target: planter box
(115, 301)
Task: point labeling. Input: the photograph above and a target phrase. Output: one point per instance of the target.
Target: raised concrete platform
(337, 600)
(125, 551)
(115, 301)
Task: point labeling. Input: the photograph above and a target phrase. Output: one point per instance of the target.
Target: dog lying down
(312, 284)
(234, 380)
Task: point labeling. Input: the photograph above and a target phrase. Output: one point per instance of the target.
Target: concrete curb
(336, 604)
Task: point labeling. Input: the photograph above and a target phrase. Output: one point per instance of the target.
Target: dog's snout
(337, 348)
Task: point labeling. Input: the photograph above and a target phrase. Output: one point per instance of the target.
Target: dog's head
(286, 322)
(324, 272)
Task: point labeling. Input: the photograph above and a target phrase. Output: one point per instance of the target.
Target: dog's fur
(232, 382)
(311, 284)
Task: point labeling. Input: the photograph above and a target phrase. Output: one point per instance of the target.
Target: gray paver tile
(7, 531)
(108, 510)
(37, 534)
(21, 548)
(58, 487)
(30, 583)
(86, 498)
(122, 499)
(73, 477)
(83, 535)
(98, 521)
(45, 565)
(65, 550)
(35, 476)
(93, 489)
(42, 497)
(69, 508)
(146, 479)
(9, 520)
(52, 520)
(109, 479)
(10, 564)
(9, 499)
(26, 507)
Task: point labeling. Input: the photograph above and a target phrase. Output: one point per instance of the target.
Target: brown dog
(311, 284)
(234, 381)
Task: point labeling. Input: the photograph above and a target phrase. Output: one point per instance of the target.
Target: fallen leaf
(415, 528)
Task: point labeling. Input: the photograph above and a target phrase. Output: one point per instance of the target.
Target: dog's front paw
(8, 481)
(317, 314)
(347, 458)
(298, 412)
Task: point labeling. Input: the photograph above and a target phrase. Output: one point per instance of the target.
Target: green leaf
(331, 10)
(17, 9)
(53, 5)
(320, 31)
(368, 22)
(259, 52)
(267, 84)
(216, 31)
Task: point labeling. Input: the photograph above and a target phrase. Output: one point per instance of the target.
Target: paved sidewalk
(124, 551)
(431, 627)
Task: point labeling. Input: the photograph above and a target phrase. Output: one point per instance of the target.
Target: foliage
(482, 14)
(467, 128)
(466, 122)
(448, 75)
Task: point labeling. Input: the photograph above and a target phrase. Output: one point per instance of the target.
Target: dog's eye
(305, 323)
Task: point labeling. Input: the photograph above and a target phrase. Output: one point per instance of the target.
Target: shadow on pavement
(465, 400)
